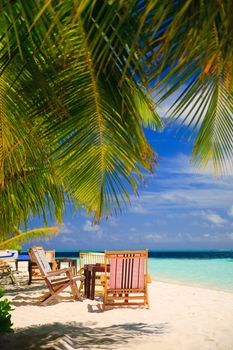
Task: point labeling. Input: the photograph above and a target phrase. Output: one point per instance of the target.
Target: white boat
(9, 254)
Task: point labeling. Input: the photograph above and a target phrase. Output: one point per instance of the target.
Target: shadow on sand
(58, 336)
(26, 295)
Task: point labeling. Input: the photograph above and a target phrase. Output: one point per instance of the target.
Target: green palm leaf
(18, 238)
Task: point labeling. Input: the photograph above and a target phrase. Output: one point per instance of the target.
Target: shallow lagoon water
(208, 273)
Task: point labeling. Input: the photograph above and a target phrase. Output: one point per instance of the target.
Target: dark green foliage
(5, 316)
(79, 82)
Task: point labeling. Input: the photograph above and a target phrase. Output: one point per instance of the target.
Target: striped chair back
(127, 269)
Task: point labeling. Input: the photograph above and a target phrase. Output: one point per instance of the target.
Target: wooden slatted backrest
(90, 258)
(37, 255)
(127, 269)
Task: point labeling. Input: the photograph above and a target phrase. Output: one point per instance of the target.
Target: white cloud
(66, 228)
(183, 164)
(230, 211)
(230, 235)
(184, 198)
(215, 219)
(113, 221)
(174, 196)
(114, 238)
(65, 240)
(206, 235)
(89, 227)
(153, 237)
(148, 224)
(138, 209)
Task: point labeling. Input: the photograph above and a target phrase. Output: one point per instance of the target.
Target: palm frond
(192, 51)
(99, 141)
(213, 144)
(18, 238)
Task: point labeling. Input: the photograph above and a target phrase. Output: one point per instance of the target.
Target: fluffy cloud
(215, 219)
(138, 209)
(190, 198)
(113, 221)
(66, 228)
(89, 227)
(68, 240)
(230, 235)
(154, 237)
(230, 211)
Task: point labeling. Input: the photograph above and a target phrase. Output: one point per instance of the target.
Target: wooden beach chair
(55, 280)
(128, 278)
(88, 258)
(7, 256)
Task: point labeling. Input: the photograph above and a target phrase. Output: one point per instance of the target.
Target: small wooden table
(90, 276)
(71, 263)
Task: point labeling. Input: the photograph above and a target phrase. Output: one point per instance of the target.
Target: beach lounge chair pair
(125, 279)
(57, 280)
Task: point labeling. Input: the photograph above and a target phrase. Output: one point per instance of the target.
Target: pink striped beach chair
(128, 279)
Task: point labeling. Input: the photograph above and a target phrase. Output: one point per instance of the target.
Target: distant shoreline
(176, 254)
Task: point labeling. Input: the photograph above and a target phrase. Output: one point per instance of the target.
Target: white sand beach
(180, 318)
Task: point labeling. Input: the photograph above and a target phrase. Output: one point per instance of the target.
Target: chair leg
(74, 290)
(147, 297)
(46, 298)
(81, 286)
(126, 295)
(53, 293)
(12, 276)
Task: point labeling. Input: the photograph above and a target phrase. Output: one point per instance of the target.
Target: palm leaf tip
(18, 238)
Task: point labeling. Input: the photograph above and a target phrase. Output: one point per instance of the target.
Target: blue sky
(177, 208)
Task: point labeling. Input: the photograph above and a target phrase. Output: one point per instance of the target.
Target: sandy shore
(180, 318)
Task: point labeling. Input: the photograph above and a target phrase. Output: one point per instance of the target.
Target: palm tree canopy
(79, 82)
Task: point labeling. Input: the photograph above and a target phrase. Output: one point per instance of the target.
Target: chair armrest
(80, 271)
(148, 278)
(59, 272)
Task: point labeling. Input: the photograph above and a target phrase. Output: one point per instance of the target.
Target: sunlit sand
(180, 317)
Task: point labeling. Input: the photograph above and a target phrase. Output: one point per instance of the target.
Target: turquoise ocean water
(207, 269)
(208, 273)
